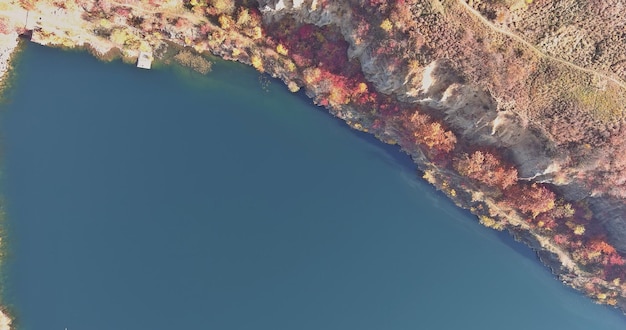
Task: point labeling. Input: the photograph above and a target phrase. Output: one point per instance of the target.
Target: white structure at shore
(145, 60)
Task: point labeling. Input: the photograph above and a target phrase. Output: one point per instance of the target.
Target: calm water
(164, 200)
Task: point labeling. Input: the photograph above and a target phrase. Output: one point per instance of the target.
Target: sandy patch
(8, 44)
(5, 321)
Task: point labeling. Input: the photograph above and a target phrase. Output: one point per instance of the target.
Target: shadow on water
(391, 154)
(394, 156)
(519, 247)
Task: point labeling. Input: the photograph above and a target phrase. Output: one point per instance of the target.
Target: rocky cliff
(499, 91)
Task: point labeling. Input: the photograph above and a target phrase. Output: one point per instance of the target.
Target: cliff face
(467, 107)
(528, 140)
(485, 112)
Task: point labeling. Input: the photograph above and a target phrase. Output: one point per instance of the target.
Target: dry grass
(603, 100)
(606, 105)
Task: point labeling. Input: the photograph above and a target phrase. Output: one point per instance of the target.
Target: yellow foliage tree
(223, 6)
(490, 222)
(120, 36)
(257, 63)
(257, 33)
(280, 49)
(429, 176)
(311, 76)
(105, 24)
(386, 25)
(293, 87)
(362, 88)
(579, 230)
(337, 97)
(226, 22)
(243, 18)
(290, 65)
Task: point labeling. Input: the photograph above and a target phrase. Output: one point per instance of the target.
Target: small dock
(144, 61)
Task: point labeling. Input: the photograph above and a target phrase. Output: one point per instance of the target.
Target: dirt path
(538, 51)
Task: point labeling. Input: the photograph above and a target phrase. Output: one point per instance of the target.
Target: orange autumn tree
(600, 245)
(486, 168)
(28, 4)
(436, 137)
(610, 255)
(533, 199)
(431, 133)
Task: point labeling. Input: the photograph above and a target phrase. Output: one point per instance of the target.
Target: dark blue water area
(167, 200)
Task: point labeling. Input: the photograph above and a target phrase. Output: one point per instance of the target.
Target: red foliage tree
(616, 260)
(305, 31)
(423, 130)
(205, 29)
(532, 199)
(3, 27)
(122, 11)
(561, 239)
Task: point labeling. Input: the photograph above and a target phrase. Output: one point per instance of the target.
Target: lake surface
(165, 200)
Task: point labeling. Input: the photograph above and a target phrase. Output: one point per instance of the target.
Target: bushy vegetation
(193, 61)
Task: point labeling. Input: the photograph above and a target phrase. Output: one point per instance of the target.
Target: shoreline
(8, 46)
(68, 28)
(393, 148)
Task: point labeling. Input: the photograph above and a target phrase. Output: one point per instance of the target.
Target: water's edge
(393, 152)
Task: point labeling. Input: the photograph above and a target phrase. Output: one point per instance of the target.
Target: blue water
(165, 200)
